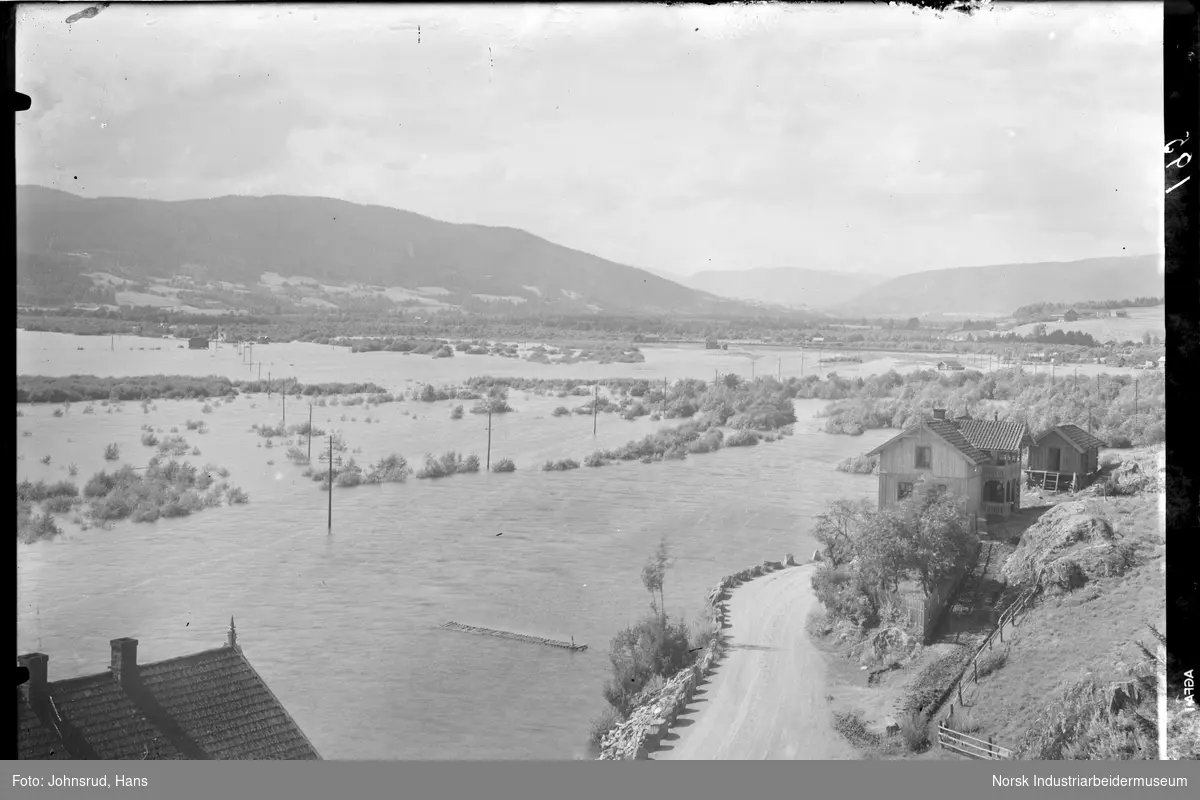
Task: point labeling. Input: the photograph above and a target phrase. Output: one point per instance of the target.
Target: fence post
(976, 663)
(960, 692)
(991, 747)
(1002, 631)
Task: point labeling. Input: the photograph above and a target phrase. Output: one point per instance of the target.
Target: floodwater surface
(344, 627)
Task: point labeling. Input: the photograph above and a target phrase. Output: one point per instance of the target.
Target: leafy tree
(835, 528)
(938, 537)
(654, 572)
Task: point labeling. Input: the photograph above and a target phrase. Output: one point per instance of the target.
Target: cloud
(870, 136)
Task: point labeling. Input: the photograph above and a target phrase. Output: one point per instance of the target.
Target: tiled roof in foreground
(208, 705)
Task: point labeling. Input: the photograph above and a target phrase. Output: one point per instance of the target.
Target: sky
(674, 138)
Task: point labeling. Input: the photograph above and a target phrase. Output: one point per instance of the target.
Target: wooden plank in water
(516, 637)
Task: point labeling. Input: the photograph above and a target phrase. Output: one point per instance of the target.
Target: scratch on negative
(88, 13)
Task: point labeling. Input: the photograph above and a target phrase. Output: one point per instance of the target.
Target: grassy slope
(1090, 632)
(1140, 320)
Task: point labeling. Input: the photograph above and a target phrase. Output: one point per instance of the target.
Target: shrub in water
(389, 469)
(504, 465)
(561, 465)
(742, 438)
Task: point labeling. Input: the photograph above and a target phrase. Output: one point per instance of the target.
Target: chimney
(939, 413)
(232, 641)
(37, 664)
(124, 659)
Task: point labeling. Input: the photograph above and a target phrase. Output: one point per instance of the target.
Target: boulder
(789, 560)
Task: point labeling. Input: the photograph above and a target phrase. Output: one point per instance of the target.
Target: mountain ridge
(238, 238)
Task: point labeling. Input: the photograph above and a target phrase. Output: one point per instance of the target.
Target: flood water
(344, 627)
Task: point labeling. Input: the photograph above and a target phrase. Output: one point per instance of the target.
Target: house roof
(989, 434)
(208, 705)
(950, 362)
(1076, 436)
(970, 437)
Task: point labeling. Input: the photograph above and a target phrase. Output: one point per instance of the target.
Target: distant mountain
(238, 239)
(1001, 289)
(790, 286)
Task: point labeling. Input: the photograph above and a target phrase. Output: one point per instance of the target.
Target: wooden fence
(1009, 618)
(970, 746)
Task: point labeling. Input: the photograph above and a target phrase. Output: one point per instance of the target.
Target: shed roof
(1076, 436)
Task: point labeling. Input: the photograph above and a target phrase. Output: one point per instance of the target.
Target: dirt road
(766, 700)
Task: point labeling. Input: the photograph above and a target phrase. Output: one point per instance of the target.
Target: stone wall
(635, 738)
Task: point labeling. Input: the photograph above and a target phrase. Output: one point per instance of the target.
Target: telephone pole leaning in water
(310, 433)
(595, 406)
(488, 466)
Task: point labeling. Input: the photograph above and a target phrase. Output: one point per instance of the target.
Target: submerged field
(404, 557)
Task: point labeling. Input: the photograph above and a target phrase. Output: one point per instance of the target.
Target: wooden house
(1066, 456)
(198, 343)
(950, 364)
(975, 459)
(211, 705)
(1070, 315)
(712, 344)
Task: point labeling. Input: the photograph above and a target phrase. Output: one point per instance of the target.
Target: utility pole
(779, 376)
(595, 406)
(331, 484)
(1135, 397)
(268, 380)
(310, 433)
(488, 466)
(284, 394)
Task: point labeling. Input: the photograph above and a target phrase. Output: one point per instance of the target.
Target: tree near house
(940, 538)
(836, 527)
(925, 537)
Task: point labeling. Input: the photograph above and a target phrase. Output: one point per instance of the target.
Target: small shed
(198, 343)
(950, 364)
(1065, 455)
(712, 344)
(1070, 315)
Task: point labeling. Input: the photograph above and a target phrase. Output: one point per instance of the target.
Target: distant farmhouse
(975, 459)
(198, 343)
(950, 364)
(210, 705)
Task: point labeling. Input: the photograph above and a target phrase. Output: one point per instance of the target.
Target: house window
(941, 487)
(904, 490)
(924, 457)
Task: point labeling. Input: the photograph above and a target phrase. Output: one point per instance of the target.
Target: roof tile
(214, 698)
(1076, 436)
(989, 434)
